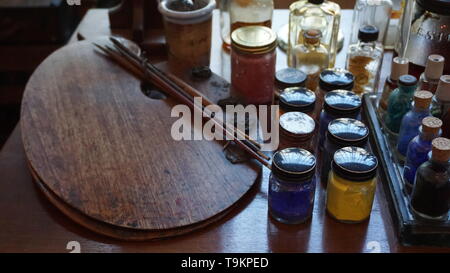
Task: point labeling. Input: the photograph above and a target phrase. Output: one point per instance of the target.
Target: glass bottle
(398, 7)
(371, 12)
(399, 103)
(292, 186)
(431, 191)
(441, 100)
(297, 99)
(332, 79)
(250, 13)
(409, 127)
(351, 185)
(364, 60)
(296, 131)
(341, 132)
(314, 14)
(429, 79)
(338, 104)
(399, 67)
(419, 148)
(253, 59)
(311, 57)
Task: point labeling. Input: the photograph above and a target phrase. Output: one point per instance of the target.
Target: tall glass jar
(253, 60)
(292, 186)
(319, 15)
(250, 13)
(351, 185)
(371, 12)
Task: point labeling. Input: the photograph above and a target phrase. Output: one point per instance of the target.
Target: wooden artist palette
(102, 151)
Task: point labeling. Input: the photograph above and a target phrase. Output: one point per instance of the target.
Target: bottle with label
(364, 60)
(319, 15)
(412, 120)
(250, 13)
(399, 67)
(429, 79)
(399, 104)
(419, 148)
(311, 57)
(431, 190)
(371, 12)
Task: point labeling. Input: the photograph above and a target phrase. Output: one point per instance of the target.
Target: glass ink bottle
(434, 68)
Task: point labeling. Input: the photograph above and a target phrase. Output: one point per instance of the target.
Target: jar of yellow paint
(351, 185)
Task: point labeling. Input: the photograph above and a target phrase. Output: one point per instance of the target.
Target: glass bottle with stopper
(311, 57)
(319, 15)
(399, 67)
(364, 60)
(441, 100)
(429, 79)
(419, 147)
(431, 191)
(409, 127)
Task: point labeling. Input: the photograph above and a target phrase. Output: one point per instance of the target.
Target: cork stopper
(431, 125)
(441, 149)
(434, 67)
(443, 89)
(399, 67)
(312, 36)
(422, 99)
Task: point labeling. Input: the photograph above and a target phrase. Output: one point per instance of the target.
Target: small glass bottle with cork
(418, 149)
(434, 68)
(440, 104)
(409, 127)
(431, 191)
(399, 68)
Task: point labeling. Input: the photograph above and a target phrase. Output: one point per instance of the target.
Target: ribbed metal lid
(354, 164)
(294, 165)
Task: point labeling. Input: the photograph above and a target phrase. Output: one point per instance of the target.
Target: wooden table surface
(29, 223)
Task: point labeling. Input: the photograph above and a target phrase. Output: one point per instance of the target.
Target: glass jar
(351, 185)
(364, 61)
(225, 23)
(341, 132)
(297, 130)
(371, 12)
(431, 191)
(297, 99)
(250, 13)
(321, 15)
(292, 186)
(338, 104)
(399, 68)
(289, 77)
(398, 7)
(311, 57)
(253, 59)
(332, 79)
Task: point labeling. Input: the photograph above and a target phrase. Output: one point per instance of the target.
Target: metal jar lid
(342, 102)
(347, 132)
(294, 165)
(254, 39)
(290, 77)
(299, 99)
(354, 164)
(336, 78)
(297, 125)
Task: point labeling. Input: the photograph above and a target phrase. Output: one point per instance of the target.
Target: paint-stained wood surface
(105, 149)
